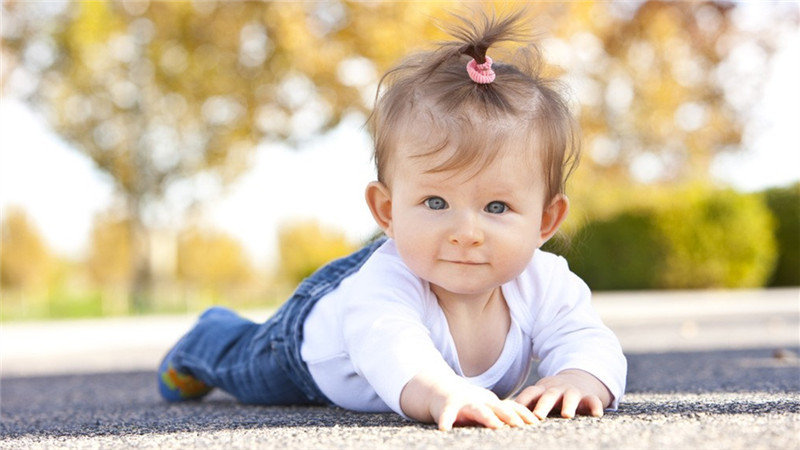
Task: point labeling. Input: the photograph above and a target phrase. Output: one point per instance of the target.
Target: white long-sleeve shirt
(383, 325)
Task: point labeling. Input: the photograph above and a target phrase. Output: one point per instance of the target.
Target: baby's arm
(447, 400)
(582, 365)
(575, 391)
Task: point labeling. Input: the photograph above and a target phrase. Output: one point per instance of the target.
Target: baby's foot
(175, 386)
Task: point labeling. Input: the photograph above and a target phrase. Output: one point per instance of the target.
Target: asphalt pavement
(716, 369)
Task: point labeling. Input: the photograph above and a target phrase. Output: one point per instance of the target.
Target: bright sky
(61, 191)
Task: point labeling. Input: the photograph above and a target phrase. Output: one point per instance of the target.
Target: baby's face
(466, 232)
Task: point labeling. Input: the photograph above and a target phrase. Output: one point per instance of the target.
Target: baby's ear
(379, 200)
(552, 217)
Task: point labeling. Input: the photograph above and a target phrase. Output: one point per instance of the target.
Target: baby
(439, 320)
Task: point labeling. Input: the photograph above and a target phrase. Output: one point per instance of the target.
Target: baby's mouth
(466, 263)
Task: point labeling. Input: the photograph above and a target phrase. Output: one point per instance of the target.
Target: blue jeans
(261, 363)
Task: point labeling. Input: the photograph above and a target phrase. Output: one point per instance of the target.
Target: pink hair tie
(481, 73)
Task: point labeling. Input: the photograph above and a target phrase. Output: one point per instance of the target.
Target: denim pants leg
(261, 363)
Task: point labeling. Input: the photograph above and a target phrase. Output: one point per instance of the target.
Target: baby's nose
(467, 232)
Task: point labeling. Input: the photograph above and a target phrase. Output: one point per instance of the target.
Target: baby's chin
(466, 290)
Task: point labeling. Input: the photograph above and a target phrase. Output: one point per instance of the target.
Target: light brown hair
(430, 98)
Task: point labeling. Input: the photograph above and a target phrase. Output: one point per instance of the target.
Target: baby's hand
(472, 405)
(449, 400)
(574, 391)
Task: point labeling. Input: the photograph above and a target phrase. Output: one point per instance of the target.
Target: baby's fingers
(523, 412)
(478, 414)
(447, 418)
(569, 403)
(574, 402)
(512, 413)
(547, 401)
(529, 395)
(591, 405)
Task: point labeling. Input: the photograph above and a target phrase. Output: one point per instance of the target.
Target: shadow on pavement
(128, 404)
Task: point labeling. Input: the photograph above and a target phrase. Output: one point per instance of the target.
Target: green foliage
(58, 303)
(717, 239)
(622, 252)
(68, 306)
(784, 203)
(692, 238)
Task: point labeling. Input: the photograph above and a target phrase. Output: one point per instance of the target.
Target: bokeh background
(164, 156)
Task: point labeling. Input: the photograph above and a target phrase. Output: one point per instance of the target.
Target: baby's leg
(224, 350)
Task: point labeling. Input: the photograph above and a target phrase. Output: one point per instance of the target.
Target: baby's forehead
(465, 160)
(459, 142)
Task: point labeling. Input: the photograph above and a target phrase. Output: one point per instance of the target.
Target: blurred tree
(170, 98)
(306, 246)
(109, 250)
(211, 259)
(24, 257)
(663, 86)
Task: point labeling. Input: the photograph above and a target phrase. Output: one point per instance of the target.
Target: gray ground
(706, 370)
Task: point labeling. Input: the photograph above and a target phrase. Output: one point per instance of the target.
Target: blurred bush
(622, 252)
(24, 256)
(306, 246)
(717, 239)
(784, 203)
(688, 238)
(211, 259)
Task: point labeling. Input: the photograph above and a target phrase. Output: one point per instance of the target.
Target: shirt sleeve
(384, 328)
(568, 332)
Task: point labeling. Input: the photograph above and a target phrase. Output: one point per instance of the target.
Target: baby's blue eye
(496, 208)
(436, 203)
